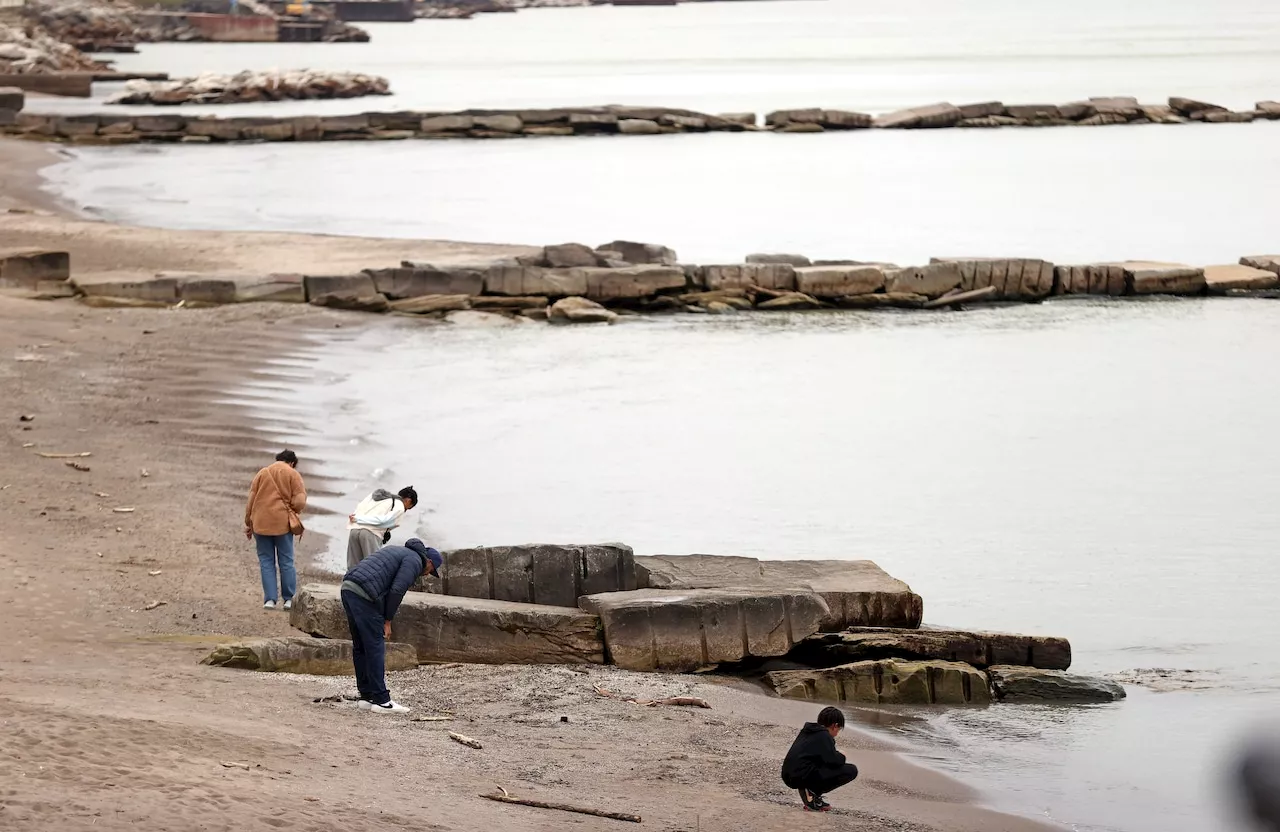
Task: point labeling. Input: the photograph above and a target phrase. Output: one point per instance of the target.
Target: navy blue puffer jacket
(387, 574)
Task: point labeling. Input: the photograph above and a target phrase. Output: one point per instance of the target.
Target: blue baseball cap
(426, 551)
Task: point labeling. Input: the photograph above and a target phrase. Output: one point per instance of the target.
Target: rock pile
(38, 53)
(245, 87)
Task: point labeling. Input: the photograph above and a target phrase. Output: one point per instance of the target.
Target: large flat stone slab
(858, 593)
(535, 573)
(1222, 279)
(839, 281)
(630, 283)
(779, 277)
(1014, 278)
(1090, 279)
(27, 267)
(684, 630)
(1147, 278)
(451, 629)
(976, 648)
(888, 682)
(1029, 684)
(302, 654)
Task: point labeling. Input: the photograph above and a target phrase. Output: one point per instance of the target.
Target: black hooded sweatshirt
(813, 751)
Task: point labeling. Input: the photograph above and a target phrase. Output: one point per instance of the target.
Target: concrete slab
(889, 682)
(976, 648)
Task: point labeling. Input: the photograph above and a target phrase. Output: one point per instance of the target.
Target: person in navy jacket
(371, 593)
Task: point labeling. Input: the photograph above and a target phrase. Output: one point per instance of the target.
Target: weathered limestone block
(638, 127)
(303, 654)
(593, 122)
(12, 99)
(1229, 118)
(332, 126)
(1269, 262)
(1161, 114)
(889, 300)
(979, 649)
(1221, 279)
(414, 282)
(795, 260)
(38, 125)
(839, 281)
(359, 285)
(1104, 120)
(499, 123)
(931, 116)
(277, 288)
(279, 132)
(70, 127)
(160, 124)
(983, 109)
(650, 629)
(536, 573)
(887, 682)
(376, 303)
(781, 118)
(580, 311)
(1092, 279)
(857, 592)
(1014, 278)
(991, 121)
(121, 127)
(1122, 105)
(431, 303)
(739, 119)
(630, 282)
(8, 120)
(641, 254)
(690, 123)
(160, 290)
(845, 120)
(1144, 278)
(444, 628)
(777, 276)
(933, 280)
(801, 127)
(1028, 684)
(569, 255)
(790, 300)
(223, 130)
(1033, 112)
(446, 124)
(1269, 110)
(1193, 109)
(548, 130)
(27, 267)
(517, 280)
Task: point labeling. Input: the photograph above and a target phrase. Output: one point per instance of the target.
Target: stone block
(983, 109)
(27, 267)
(217, 129)
(1269, 110)
(282, 131)
(933, 280)
(1076, 110)
(569, 255)
(793, 260)
(12, 99)
(776, 276)
(838, 281)
(275, 288)
(159, 290)
(593, 122)
(415, 282)
(1092, 279)
(446, 124)
(353, 284)
(1191, 108)
(801, 127)
(1269, 262)
(499, 123)
(1221, 279)
(630, 282)
(858, 593)
(375, 303)
(689, 123)
(332, 126)
(160, 124)
(519, 280)
(638, 127)
(790, 300)
(1015, 278)
(432, 303)
(1033, 112)
(641, 254)
(37, 125)
(857, 644)
(650, 629)
(1028, 684)
(576, 310)
(8, 118)
(548, 130)
(1117, 105)
(1147, 278)
(303, 654)
(71, 127)
(1161, 114)
(445, 628)
(536, 573)
(845, 120)
(931, 116)
(888, 682)
(781, 118)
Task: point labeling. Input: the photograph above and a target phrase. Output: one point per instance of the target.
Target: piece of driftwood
(685, 701)
(64, 456)
(79, 466)
(465, 740)
(955, 297)
(154, 605)
(561, 807)
(431, 719)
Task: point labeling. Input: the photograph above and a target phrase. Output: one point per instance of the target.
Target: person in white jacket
(369, 527)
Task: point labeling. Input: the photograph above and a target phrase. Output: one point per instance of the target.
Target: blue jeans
(272, 548)
(368, 647)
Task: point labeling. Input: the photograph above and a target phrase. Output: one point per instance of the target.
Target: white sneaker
(270, 605)
(392, 707)
(288, 605)
(364, 704)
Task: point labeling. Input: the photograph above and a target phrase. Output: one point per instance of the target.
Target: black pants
(368, 647)
(827, 780)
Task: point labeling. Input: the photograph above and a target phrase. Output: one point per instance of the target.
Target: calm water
(1101, 470)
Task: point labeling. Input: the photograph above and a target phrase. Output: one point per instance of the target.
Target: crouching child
(813, 766)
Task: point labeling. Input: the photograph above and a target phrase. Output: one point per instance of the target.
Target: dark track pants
(368, 647)
(828, 780)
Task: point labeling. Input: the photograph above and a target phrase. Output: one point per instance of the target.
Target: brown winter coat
(276, 492)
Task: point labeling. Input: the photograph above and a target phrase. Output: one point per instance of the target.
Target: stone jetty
(684, 613)
(249, 87)
(614, 121)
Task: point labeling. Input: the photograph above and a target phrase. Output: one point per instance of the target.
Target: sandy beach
(111, 723)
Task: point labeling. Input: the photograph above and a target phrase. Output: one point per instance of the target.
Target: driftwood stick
(64, 456)
(465, 740)
(562, 807)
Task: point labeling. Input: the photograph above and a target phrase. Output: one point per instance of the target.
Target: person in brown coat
(276, 498)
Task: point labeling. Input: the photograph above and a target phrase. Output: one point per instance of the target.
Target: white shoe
(270, 605)
(288, 605)
(392, 707)
(364, 704)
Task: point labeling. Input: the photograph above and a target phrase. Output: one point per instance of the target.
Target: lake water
(1100, 470)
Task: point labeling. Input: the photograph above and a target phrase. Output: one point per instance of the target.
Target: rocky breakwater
(33, 51)
(388, 126)
(250, 87)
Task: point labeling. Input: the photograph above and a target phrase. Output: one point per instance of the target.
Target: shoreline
(90, 371)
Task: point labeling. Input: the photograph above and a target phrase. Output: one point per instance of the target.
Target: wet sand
(111, 723)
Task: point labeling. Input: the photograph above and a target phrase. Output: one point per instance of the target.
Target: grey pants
(360, 544)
